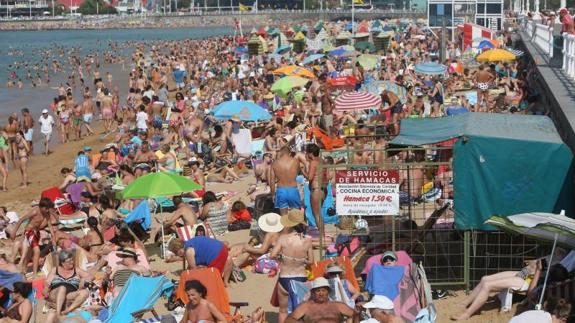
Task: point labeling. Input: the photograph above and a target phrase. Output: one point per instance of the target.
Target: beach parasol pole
(538, 306)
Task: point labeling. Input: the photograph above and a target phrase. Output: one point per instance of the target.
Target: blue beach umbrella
(430, 68)
(485, 44)
(245, 110)
(241, 50)
(312, 58)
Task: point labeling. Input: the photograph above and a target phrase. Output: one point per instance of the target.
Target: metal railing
(541, 35)
(569, 54)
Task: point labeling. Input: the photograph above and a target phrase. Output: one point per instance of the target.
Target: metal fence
(425, 226)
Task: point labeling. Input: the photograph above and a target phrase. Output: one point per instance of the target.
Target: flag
(357, 1)
(244, 7)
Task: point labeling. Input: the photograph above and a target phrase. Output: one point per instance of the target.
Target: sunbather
(492, 284)
(199, 309)
(334, 270)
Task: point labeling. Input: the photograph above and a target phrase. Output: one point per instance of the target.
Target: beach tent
(472, 31)
(503, 164)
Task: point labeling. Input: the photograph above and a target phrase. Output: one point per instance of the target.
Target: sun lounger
(217, 293)
(138, 297)
(318, 269)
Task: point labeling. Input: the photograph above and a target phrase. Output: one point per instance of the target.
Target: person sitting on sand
(69, 178)
(21, 309)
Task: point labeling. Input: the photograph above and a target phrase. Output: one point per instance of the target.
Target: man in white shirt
(46, 125)
(381, 310)
(142, 119)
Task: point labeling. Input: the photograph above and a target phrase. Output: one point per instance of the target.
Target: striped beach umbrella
(357, 101)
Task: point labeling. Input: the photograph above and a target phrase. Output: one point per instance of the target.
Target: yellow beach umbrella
(293, 70)
(495, 55)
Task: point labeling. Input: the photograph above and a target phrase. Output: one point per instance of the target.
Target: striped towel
(70, 222)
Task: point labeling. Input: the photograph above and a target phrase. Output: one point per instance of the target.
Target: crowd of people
(165, 123)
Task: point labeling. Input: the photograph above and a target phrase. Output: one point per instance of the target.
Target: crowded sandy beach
(291, 172)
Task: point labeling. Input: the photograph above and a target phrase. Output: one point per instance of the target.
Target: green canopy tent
(505, 164)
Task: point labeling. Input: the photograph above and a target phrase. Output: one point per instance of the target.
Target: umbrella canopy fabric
(284, 85)
(159, 185)
(368, 61)
(539, 226)
(357, 101)
(430, 68)
(495, 55)
(294, 70)
(365, 45)
(341, 50)
(485, 44)
(245, 110)
(312, 58)
(283, 49)
(376, 87)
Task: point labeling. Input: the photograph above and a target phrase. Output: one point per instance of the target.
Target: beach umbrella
(495, 55)
(376, 87)
(368, 61)
(276, 57)
(284, 85)
(341, 50)
(544, 227)
(312, 58)
(241, 50)
(159, 184)
(283, 49)
(245, 110)
(485, 44)
(365, 45)
(357, 101)
(327, 47)
(294, 70)
(430, 68)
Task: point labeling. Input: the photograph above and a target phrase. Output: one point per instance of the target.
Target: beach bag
(265, 265)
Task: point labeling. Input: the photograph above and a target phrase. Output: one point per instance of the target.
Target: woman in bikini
(168, 162)
(64, 124)
(12, 129)
(23, 150)
(4, 148)
(21, 309)
(294, 252)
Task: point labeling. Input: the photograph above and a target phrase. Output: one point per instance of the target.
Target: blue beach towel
(327, 203)
(141, 212)
(384, 280)
(7, 279)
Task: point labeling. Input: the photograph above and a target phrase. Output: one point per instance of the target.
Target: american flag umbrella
(357, 101)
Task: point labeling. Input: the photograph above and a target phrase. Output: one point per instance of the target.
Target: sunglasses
(387, 259)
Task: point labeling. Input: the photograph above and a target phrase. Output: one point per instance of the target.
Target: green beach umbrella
(284, 85)
(159, 185)
(368, 61)
(363, 45)
(326, 47)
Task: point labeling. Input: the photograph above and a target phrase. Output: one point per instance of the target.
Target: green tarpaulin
(507, 164)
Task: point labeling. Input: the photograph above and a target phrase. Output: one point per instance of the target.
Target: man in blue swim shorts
(283, 185)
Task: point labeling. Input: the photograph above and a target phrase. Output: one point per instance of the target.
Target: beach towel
(138, 293)
(212, 280)
(328, 203)
(57, 197)
(7, 279)
(384, 280)
(407, 304)
(74, 192)
(403, 259)
(258, 146)
(242, 142)
(142, 213)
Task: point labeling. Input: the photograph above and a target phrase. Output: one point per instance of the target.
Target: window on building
(440, 12)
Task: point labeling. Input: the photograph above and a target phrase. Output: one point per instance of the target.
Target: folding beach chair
(138, 297)
(318, 269)
(62, 205)
(217, 292)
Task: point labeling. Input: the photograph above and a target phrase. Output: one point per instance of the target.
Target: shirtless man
(282, 180)
(38, 219)
(28, 128)
(315, 187)
(327, 104)
(320, 309)
(183, 211)
(77, 114)
(144, 159)
(88, 109)
(393, 103)
(483, 80)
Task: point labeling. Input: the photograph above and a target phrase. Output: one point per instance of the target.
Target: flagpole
(352, 21)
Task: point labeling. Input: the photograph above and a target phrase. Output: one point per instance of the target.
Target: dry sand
(257, 289)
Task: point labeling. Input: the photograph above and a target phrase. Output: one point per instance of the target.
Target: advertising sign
(367, 192)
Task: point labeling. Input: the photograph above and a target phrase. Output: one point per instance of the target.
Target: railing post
(550, 42)
(466, 260)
